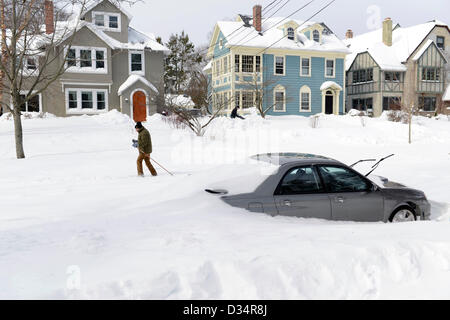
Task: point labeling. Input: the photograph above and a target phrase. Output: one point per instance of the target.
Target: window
(237, 99)
(81, 59)
(329, 72)
(247, 99)
(427, 104)
(137, 62)
(305, 99)
(236, 63)
(392, 76)
(32, 105)
(362, 104)
(279, 65)
(316, 36)
(101, 100)
(440, 42)
(86, 100)
(225, 65)
(107, 21)
(99, 59)
(71, 58)
(279, 100)
(72, 99)
(306, 64)
(258, 64)
(364, 75)
(221, 44)
(391, 103)
(291, 34)
(431, 74)
(338, 179)
(247, 63)
(31, 64)
(99, 20)
(302, 180)
(85, 58)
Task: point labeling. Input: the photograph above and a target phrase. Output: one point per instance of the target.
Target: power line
(315, 14)
(269, 5)
(243, 26)
(274, 25)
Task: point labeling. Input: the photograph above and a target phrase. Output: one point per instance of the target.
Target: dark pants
(146, 158)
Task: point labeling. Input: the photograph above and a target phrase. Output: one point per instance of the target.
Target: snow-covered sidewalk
(76, 222)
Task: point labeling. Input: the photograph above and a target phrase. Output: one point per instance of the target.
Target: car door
(352, 196)
(300, 194)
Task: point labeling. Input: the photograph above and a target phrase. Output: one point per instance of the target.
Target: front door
(300, 194)
(352, 196)
(139, 107)
(329, 104)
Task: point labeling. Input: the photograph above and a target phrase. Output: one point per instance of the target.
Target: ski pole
(161, 166)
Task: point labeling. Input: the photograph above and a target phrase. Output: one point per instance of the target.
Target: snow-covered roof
(180, 100)
(272, 32)
(404, 42)
(446, 96)
(330, 85)
(132, 79)
(91, 4)
(208, 66)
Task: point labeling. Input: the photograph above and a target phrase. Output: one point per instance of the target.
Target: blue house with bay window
(286, 66)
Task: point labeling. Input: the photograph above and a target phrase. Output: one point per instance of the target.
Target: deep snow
(76, 222)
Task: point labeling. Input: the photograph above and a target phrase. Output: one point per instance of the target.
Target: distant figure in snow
(145, 149)
(235, 115)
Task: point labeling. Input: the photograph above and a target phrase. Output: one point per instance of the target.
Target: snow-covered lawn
(76, 222)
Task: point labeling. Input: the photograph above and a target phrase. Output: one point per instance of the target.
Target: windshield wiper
(375, 166)
(367, 160)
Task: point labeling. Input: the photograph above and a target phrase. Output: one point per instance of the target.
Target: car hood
(395, 188)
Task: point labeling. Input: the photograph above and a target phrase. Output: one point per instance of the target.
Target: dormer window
(107, 21)
(316, 36)
(290, 34)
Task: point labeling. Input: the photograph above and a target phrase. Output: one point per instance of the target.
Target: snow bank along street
(76, 222)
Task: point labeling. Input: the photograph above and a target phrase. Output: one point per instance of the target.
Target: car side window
(303, 180)
(339, 179)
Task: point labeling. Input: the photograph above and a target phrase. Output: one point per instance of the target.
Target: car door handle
(339, 199)
(287, 203)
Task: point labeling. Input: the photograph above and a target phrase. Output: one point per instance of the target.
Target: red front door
(139, 107)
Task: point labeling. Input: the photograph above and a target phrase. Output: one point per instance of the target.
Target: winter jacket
(234, 113)
(145, 141)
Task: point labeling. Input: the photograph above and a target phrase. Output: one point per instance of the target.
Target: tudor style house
(295, 67)
(395, 64)
(109, 65)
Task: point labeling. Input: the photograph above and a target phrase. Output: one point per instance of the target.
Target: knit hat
(138, 125)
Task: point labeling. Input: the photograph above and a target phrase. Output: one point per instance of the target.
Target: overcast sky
(198, 17)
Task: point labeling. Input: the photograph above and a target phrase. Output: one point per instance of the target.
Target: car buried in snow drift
(311, 186)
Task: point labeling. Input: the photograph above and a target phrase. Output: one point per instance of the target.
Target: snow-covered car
(312, 186)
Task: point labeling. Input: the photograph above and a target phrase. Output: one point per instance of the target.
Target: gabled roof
(425, 47)
(405, 42)
(272, 32)
(132, 79)
(91, 4)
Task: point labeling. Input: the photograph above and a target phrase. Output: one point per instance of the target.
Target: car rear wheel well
(409, 206)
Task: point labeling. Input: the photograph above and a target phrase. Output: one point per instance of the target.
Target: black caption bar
(229, 310)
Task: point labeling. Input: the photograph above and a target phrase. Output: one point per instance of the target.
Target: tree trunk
(410, 129)
(18, 134)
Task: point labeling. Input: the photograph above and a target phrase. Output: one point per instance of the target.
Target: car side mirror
(374, 188)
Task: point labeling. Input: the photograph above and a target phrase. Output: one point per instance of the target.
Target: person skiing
(235, 115)
(145, 149)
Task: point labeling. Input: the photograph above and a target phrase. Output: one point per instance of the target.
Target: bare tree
(191, 119)
(24, 41)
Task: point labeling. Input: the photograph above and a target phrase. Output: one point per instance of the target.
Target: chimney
(49, 17)
(349, 34)
(257, 16)
(387, 32)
